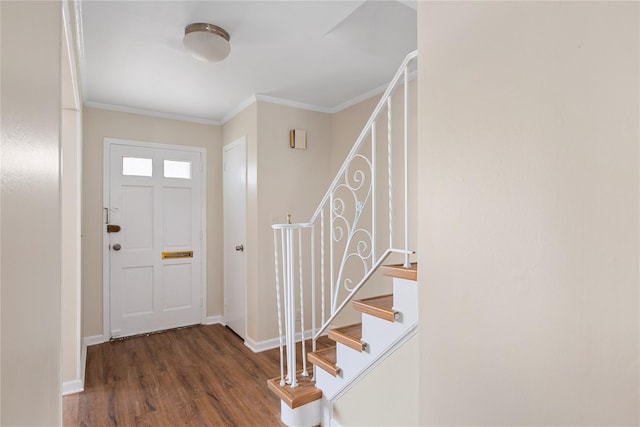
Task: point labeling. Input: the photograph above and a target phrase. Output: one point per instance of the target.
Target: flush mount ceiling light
(206, 42)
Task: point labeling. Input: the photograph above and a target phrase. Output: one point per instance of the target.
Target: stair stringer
(382, 338)
(328, 405)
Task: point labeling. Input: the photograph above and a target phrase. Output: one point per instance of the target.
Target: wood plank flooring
(197, 376)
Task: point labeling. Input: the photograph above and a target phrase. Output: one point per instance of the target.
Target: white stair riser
(405, 300)
(379, 334)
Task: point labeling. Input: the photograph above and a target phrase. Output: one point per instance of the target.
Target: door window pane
(137, 166)
(177, 169)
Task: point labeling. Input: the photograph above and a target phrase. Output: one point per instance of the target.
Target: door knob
(117, 247)
(240, 248)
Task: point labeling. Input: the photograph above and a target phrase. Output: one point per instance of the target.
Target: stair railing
(347, 239)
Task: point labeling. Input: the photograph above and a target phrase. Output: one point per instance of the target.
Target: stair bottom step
(306, 392)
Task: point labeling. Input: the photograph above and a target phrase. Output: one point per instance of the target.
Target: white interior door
(235, 233)
(155, 257)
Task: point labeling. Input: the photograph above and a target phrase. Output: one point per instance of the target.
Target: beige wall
(280, 180)
(30, 359)
(100, 124)
(346, 126)
(529, 207)
(386, 396)
(288, 180)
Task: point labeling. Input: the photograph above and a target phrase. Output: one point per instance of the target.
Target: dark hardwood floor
(196, 376)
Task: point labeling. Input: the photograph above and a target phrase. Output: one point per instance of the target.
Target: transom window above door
(137, 166)
(177, 169)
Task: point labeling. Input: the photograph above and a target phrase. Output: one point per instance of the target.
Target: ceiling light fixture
(206, 42)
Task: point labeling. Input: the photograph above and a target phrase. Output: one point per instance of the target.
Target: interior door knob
(240, 248)
(117, 247)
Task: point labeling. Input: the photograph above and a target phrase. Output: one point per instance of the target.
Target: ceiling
(321, 55)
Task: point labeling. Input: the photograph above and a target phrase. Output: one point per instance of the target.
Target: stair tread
(350, 335)
(401, 272)
(381, 306)
(306, 391)
(325, 359)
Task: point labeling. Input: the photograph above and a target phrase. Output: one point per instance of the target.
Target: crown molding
(150, 113)
(246, 103)
(293, 104)
(237, 110)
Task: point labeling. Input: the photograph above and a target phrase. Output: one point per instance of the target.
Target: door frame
(106, 181)
(240, 141)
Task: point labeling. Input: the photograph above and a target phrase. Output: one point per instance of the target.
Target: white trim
(240, 107)
(69, 47)
(358, 99)
(214, 320)
(106, 279)
(204, 244)
(260, 346)
(237, 110)
(83, 362)
(334, 423)
(79, 39)
(150, 113)
(70, 387)
(293, 104)
(106, 178)
(93, 340)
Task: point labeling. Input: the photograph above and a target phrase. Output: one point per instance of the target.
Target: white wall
(99, 124)
(30, 359)
(529, 207)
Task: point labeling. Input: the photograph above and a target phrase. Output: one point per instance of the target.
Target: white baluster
(275, 249)
(406, 168)
(373, 192)
(331, 266)
(389, 159)
(292, 312)
(322, 269)
(313, 292)
(304, 351)
(285, 297)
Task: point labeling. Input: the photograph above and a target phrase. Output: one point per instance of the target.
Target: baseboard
(334, 423)
(70, 387)
(93, 340)
(214, 320)
(260, 346)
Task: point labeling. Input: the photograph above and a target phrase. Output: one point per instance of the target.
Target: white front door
(235, 232)
(154, 234)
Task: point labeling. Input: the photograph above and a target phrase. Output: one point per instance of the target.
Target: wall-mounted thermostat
(298, 139)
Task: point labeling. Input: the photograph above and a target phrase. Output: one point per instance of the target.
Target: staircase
(361, 224)
(387, 321)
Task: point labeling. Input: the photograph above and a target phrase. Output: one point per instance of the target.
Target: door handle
(240, 248)
(117, 247)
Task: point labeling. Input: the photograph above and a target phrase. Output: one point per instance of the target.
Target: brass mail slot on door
(179, 254)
